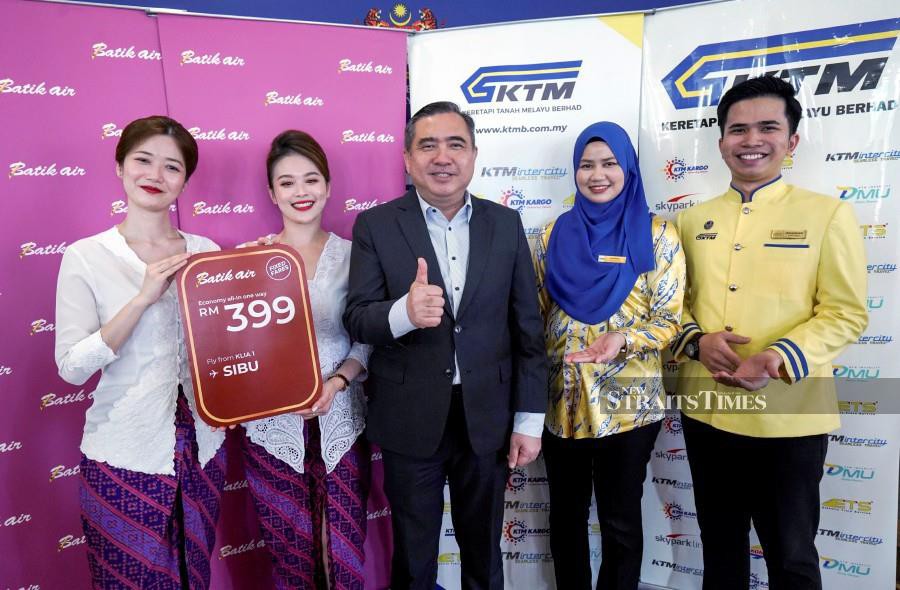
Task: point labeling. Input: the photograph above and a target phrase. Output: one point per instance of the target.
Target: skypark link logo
(525, 82)
(702, 77)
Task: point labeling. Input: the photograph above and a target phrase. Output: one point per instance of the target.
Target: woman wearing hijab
(611, 278)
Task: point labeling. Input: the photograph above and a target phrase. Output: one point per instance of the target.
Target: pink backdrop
(64, 99)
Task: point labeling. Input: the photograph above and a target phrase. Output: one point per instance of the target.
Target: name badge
(611, 259)
(788, 234)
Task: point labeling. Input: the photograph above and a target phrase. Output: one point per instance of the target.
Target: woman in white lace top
(308, 472)
(151, 472)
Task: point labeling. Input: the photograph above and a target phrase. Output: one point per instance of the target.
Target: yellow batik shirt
(788, 270)
(590, 400)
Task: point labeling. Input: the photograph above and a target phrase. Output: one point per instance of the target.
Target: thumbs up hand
(425, 303)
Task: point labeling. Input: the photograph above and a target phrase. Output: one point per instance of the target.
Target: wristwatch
(342, 378)
(692, 348)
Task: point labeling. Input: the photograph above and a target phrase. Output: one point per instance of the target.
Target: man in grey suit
(441, 283)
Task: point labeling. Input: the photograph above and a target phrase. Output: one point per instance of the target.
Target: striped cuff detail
(794, 357)
(688, 331)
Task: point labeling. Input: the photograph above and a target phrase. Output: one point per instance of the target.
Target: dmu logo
(846, 568)
(528, 82)
(702, 77)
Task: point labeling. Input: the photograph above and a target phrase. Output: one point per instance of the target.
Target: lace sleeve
(80, 351)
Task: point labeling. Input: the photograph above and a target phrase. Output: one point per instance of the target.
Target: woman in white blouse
(151, 472)
(308, 473)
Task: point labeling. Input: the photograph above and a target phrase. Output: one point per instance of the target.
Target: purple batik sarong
(290, 507)
(148, 531)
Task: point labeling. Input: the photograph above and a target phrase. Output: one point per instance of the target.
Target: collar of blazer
(481, 230)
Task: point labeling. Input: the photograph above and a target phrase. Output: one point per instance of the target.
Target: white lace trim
(282, 436)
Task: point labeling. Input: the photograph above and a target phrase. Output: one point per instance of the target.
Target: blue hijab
(587, 290)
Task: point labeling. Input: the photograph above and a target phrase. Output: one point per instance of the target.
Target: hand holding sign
(425, 303)
(249, 332)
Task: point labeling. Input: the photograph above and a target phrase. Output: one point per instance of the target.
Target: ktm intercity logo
(835, 59)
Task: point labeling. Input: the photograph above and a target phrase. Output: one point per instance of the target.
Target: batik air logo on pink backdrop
(226, 208)
(120, 207)
(221, 134)
(10, 446)
(42, 88)
(189, 57)
(102, 50)
(274, 97)
(61, 471)
(353, 136)
(53, 400)
(363, 67)
(34, 249)
(23, 169)
(69, 541)
(108, 130)
(41, 326)
(357, 205)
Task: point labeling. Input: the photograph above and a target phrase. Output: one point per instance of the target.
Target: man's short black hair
(762, 86)
(431, 109)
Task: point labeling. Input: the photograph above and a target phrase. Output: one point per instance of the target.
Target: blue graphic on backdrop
(701, 77)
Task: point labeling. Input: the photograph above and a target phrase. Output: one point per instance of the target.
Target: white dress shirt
(131, 423)
(450, 240)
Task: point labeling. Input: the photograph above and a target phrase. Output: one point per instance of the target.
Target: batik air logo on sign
(204, 278)
(522, 82)
(834, 59)
(102, 50)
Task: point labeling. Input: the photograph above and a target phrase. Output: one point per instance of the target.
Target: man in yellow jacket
(776, 290)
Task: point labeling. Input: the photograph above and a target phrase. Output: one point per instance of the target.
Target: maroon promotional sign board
(249, 332)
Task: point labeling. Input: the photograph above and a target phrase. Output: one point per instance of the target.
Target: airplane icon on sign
(213, 373)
